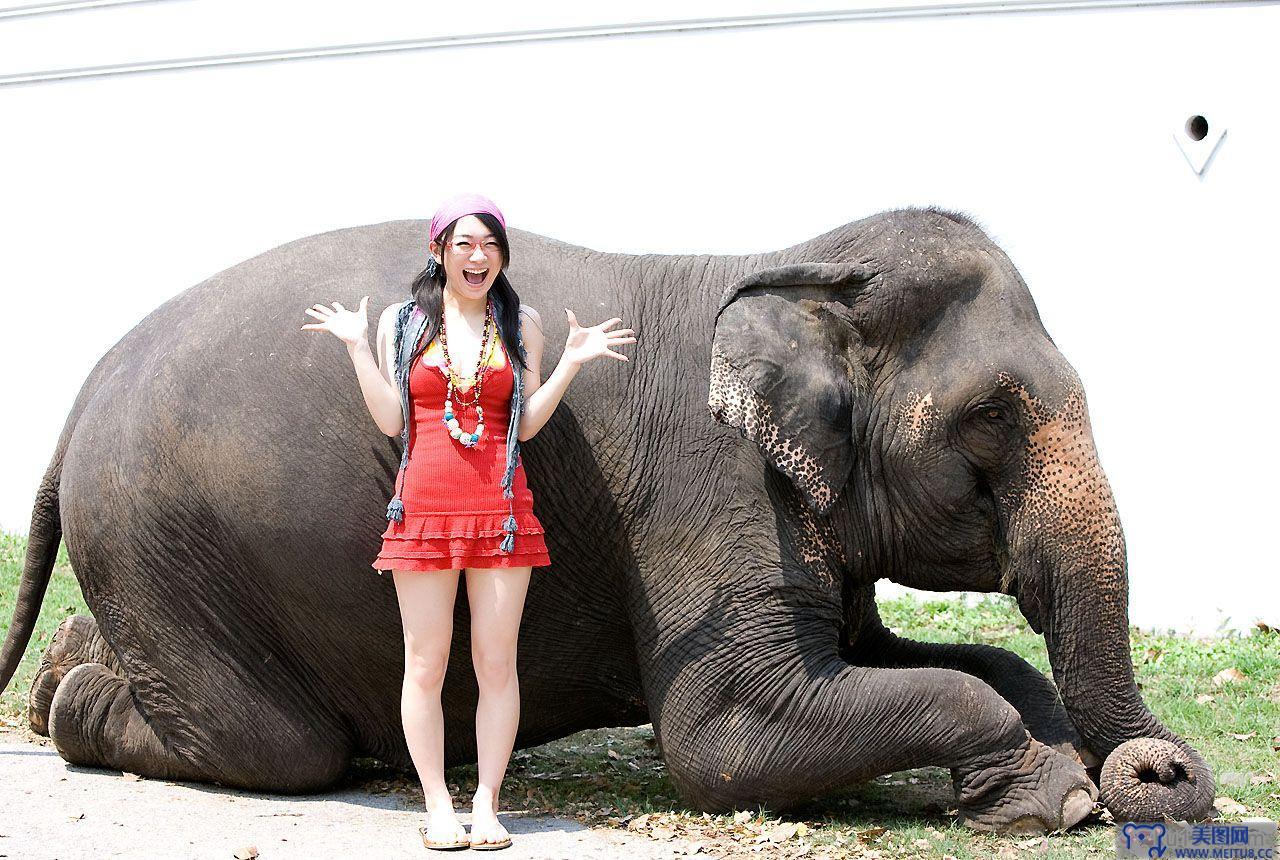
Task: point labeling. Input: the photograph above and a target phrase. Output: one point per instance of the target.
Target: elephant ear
(786, 370)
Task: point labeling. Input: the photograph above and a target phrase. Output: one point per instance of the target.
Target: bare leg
(426, 613)
(497, 598)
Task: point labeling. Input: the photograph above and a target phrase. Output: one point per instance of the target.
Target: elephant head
(897, 372)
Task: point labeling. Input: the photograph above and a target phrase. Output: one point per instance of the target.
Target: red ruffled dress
(454, 508)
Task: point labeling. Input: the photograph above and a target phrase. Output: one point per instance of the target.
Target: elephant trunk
(1067, 553)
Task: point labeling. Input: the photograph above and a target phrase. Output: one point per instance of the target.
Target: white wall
(1053, 130)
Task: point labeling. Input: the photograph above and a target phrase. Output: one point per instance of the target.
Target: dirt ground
(50, 809)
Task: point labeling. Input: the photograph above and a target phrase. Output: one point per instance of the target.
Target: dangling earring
(432, 265)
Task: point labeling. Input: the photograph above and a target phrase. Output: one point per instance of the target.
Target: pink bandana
(463, 204)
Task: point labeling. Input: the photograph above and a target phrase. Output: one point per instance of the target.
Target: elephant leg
(77, 640)
(842, 725)
(754, 705)
(1016, 681)
(96, 719)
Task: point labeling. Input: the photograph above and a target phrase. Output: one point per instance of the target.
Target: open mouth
(475, 277)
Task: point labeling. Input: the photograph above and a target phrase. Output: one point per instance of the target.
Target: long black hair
(428, 293)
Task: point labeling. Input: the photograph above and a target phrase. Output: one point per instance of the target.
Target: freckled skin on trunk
(1068, 551)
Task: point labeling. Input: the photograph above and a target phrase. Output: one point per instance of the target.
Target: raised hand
(584, 344)
(350, 327)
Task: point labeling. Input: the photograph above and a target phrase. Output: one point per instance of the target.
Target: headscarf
(463, 204)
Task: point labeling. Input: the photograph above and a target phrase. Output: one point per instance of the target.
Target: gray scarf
(412, 321)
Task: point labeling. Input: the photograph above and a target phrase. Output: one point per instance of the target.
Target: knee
(972, 717)
(736, 761)
(495, 667)
(425, 668)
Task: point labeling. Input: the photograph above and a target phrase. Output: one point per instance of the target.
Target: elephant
(881, 401)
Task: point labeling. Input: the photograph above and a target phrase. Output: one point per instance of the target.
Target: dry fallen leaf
(1229, 806)
(662, 832)
(783, 832)
(742, 816)
(922, 844)
(132, 777)
(1204, 699)
(1228, 676)
(639, 822)
(247, 853)
(1244, 737)
(872, 833)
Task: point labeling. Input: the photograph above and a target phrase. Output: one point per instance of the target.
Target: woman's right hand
(350, 327)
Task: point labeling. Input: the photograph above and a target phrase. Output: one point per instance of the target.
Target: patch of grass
(63, 598)
(615, 778)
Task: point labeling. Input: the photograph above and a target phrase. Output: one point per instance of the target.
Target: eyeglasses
(462, 247)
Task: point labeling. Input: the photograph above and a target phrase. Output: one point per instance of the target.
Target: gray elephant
(221, 491)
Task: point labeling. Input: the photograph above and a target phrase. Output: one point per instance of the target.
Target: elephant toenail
(1076, 808)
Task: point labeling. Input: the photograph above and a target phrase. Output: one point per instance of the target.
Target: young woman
(457, 377)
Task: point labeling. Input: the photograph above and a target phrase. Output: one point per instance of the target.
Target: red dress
(453, 504)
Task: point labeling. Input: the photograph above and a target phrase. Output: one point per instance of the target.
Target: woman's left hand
(584, 344)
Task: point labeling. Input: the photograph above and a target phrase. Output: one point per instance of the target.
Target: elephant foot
(1033, 789)
(97, 720)
(77, 640)
(94, 721)
(1149, 779)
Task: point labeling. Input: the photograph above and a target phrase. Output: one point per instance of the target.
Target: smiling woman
(457, 378)
(465, 247)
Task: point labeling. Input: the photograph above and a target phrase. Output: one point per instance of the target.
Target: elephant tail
(42, 551)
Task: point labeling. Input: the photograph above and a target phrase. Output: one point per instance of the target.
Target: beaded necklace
(467, 440)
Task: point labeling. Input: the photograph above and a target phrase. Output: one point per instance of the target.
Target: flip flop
(442, 846)
(491, 846)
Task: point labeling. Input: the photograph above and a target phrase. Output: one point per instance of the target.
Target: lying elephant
(222, 490)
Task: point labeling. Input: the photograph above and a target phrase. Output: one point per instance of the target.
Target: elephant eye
(989, 411)
(986, 429)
